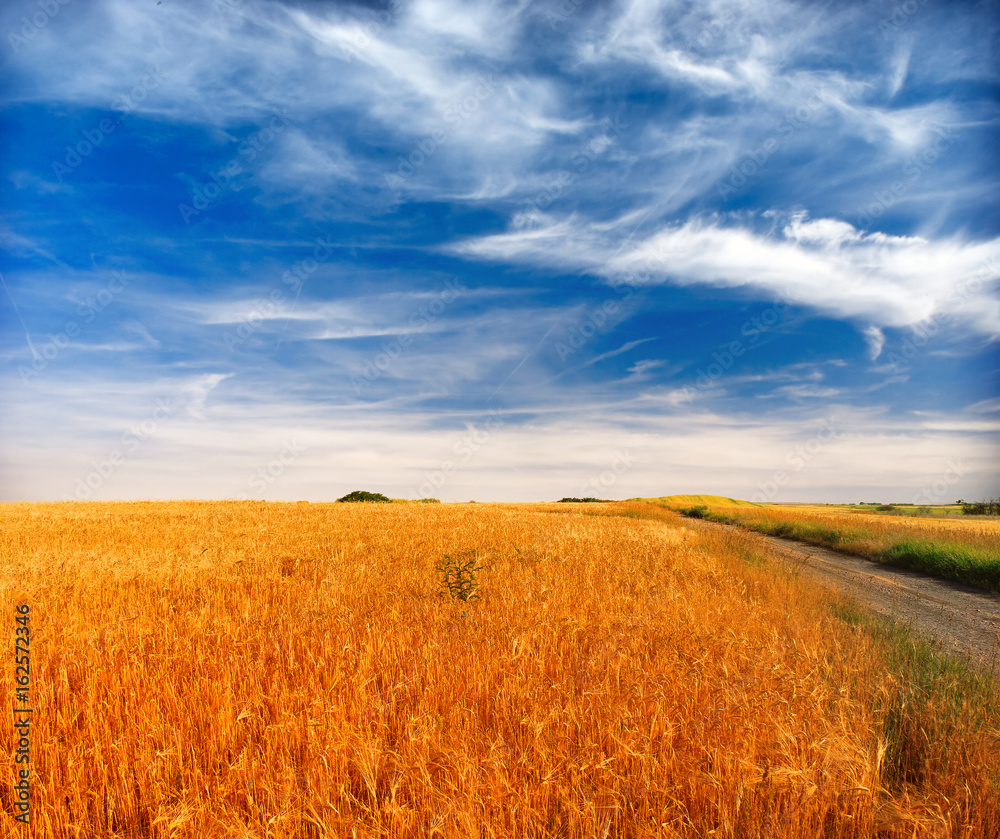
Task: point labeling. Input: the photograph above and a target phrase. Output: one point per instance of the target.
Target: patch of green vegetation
(902, 509)
(359, 495)
(989, 507)
(582, 501)
(962, 563)
(929, 685)
(702, 512)
(459, 572)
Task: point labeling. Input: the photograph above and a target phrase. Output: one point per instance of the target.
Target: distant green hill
(699, 500)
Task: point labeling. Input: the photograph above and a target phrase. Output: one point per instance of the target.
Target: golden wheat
(293, 670)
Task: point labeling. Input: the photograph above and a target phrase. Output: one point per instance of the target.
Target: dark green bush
(460, 575)
(989, 507)
(694, 512)
(361, 495)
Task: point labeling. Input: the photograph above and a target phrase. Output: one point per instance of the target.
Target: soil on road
(965, 621)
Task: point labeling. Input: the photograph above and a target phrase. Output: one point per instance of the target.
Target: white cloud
(205, 454)
(744, 51)
(195, 392)
(826, 264)
(363, 86)
(640, 368)
(825, 231)
(876, 341)
(900, 65)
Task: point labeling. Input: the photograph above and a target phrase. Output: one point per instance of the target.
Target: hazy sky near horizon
(499, 250)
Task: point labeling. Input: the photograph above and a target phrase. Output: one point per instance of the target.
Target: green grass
(950, 562)
(946, 560)
(907, 510)
(928, 685)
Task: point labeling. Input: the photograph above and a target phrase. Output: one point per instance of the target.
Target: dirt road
(964, 620)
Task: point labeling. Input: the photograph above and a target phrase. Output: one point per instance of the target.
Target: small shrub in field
(693, 512)
(460, 575)
(361, 495)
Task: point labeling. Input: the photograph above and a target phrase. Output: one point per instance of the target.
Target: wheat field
(243, 669)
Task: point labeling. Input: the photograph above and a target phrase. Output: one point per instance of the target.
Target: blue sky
(501, 251)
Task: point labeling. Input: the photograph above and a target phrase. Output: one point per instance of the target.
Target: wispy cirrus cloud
(825, 263)
(710, 225)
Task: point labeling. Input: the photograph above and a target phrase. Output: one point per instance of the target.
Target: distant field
(707, 500)
(245, 669)
(903, 510)
(965, 549)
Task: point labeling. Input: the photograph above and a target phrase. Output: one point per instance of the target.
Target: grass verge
(929, 697)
